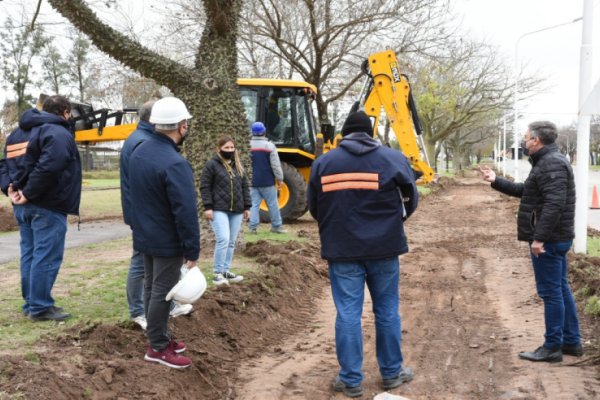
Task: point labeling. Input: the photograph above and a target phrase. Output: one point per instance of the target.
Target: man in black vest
(546, 221)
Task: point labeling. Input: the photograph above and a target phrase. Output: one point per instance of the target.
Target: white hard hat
(190, 288)
(169, 110)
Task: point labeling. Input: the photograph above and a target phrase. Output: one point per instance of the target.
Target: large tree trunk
(214, 99)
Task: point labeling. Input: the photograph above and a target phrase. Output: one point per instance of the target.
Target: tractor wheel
(292, 196)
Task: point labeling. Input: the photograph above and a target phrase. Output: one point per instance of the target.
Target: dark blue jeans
(348, 288)
(42, 247)
(161, 274)
(135, 285)
(551, 279)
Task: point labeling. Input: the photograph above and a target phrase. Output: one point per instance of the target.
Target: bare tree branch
(121, 47)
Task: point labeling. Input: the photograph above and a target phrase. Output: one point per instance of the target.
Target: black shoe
(406, 375)
(572, 350)
(51, 314)
(542, 354)
(340, 386)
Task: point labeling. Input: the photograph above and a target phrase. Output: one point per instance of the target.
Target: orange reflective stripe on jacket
(16, 150)
(351, 180)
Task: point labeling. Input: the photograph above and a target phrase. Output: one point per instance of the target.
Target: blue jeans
(135, 285)
(551, 279)
(348, 289)
(269, 194)
(42, 247)
(226, 226)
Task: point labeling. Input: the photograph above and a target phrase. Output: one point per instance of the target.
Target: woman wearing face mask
(226, 200)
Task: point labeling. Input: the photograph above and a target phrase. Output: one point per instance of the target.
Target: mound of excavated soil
(7, 220)
(228, 324)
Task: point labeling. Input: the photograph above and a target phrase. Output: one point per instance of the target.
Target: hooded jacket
(547, 208)
(41, 159)
(360, 193)
(223, 189)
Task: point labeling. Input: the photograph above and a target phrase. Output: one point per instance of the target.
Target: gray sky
(554, 53)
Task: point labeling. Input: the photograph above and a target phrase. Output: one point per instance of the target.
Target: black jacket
(547, 209)
(224, 190)
(41, 159)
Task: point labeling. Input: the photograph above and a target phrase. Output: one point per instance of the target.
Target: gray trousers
(161, 274)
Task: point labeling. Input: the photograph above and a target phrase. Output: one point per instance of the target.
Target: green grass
(100, 183)
(424, 190)
(592, 307)
(593, 246)
(100, 204)
(92, 288)
(95, 204)
(101, 174)
(264, 233)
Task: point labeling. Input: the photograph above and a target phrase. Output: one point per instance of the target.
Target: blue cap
(258, 128)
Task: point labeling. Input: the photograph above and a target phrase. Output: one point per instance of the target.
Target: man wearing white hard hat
(164, 221)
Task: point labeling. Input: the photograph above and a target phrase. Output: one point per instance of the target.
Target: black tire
(296, 204)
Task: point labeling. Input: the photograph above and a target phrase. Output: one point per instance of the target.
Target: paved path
(90, 232)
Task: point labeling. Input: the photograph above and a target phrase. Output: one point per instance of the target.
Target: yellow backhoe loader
(284, 106)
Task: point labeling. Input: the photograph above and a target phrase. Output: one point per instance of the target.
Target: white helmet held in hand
(169, 110)
(190, 288)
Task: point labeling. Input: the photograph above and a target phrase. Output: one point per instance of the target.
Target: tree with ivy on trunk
(209, 88)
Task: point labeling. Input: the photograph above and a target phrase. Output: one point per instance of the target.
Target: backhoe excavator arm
(386, 88)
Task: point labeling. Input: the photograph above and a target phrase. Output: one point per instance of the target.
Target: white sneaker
(180, 309)
(141, 321)
(231, 277)
(219, 279)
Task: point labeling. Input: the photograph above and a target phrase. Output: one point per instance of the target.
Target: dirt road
(468, 306)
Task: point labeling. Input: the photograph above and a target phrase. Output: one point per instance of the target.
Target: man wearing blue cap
(267, 175)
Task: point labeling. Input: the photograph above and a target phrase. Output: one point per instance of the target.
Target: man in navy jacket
(42, 176)
(360, 193)
(164, 222)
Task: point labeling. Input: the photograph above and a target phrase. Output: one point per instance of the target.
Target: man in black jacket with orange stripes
(546, 221)
(42, 176)
(360, 193)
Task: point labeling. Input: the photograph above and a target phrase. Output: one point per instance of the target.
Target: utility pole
(583, 129)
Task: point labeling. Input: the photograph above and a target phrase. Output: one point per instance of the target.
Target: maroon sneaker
(178, 347)
(168, 357)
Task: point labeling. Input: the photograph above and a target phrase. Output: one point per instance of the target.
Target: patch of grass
(101, 174)
(100, 183)
(96, 204)
(264, 233)
(424, 190)
(593, 246)
(92, 289)
(592, 307)
(33, 358)
(12, 396)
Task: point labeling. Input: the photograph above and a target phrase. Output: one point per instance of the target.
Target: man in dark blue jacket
(42, 176)
(164, 222)
(135, 276)
(360, 193)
